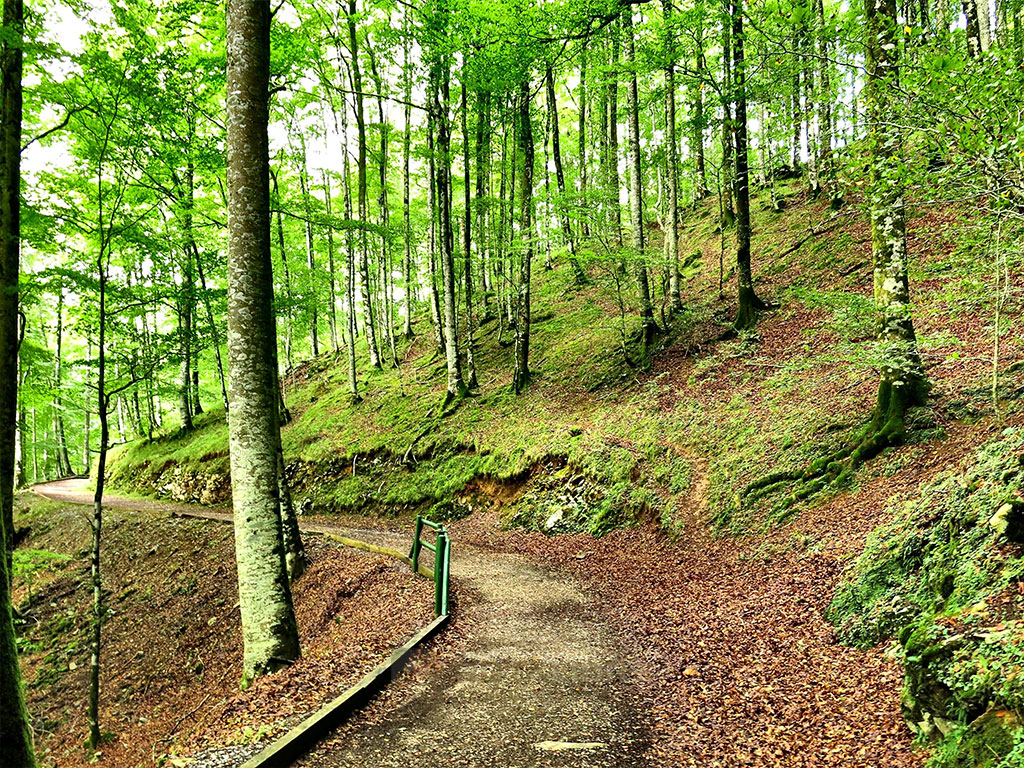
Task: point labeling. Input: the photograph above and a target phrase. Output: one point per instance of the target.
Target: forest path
(536, 677)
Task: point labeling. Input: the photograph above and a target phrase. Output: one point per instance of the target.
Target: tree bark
(749, 303)
(369, 318)
(350, 265)
(521, 374)
(269, 631)
(467, 242)
(185, 342)
(313, 297)
(613, 135)
(63, 460)
(406, 152)
(902, 382)
(672, 163)
(556, 152)
(636, 191)
(15, 731)
(439, 113)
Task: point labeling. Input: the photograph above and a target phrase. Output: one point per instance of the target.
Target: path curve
(538, 680)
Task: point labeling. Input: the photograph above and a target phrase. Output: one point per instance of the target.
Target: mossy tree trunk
(15, 732)
(269, 631)
(902, 382)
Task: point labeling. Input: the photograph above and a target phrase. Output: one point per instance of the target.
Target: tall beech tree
(15, 732)
(269, 632)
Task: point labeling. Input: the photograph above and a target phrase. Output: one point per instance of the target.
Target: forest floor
(700, 652)
(172, 638)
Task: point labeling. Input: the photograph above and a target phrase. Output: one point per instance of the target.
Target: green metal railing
(442, 549)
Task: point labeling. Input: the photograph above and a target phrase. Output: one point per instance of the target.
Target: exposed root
(886, 428)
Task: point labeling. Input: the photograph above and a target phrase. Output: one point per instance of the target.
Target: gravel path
(538, 680)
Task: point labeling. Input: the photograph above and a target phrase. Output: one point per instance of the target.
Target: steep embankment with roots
(723, 604)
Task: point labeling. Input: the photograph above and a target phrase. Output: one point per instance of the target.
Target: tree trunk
(288, 321)
(481, 203)
(364, 215)
(332, 307)
(701, 187)
(467, 242)
(521, 374)
(636, 192)
(902, 380)
(350, 265)
(671, 163)
(406, 152)
(728, 151)
(313, 284)
(269, 631)
(556, 152)
(749, 303)
(15, 731)
(582, 137)
(63, 460)
(439, 95)
(387, 318)
(185, 342)
(613, 135)
(826, 164)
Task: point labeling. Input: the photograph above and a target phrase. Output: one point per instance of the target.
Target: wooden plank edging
(306, 734)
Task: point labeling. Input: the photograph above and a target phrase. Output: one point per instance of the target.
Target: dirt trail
(538, 678)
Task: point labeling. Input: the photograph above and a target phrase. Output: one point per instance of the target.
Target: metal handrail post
(439, 566)
(415, 554)
(447, 574)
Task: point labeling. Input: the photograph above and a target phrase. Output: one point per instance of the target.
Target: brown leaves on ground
(172, 645)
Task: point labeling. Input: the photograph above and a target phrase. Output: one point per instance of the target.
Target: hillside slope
(597, 443)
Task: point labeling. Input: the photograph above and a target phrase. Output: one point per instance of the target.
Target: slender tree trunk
(582, 137)
(728, 150)
(406, 197)
(826, 164)
(350, 265)
(439, 94)
(436, 318)
(701, 187)
(467, 243)
(332, 307)
(749, 303)
(214, 332)
(269, 631)
(313, 298)
(613, 135)
(521, 374)
(185, 342)
(288, 321)
(15, 731)
(387, 317)
(636, 193)
(556, 152)
(481, 203)
(672, 163)
(63, 460)
(364, 215)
